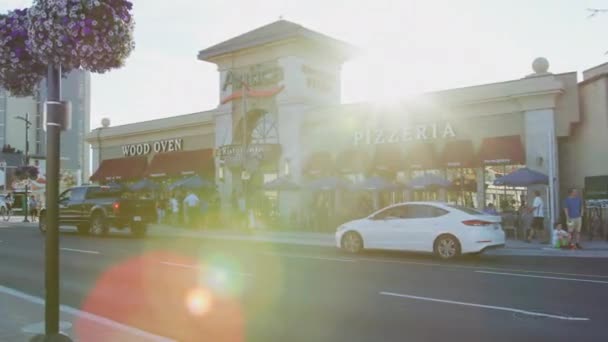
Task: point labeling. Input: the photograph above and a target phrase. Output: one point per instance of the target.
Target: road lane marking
(492, 307)
(195, 267)
(480, 268)
(87, 315)
(544, 277)
(79, 251)
(298, 256)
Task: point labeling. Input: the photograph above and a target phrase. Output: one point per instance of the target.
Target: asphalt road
(204, 290)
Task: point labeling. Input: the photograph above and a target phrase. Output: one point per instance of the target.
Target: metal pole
(27, 163)
(99, 147)
(551, 189)
(53, 136)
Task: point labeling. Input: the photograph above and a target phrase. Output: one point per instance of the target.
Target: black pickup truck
(96, 209)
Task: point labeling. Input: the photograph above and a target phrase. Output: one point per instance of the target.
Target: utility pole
(27, 123)
(58, 118)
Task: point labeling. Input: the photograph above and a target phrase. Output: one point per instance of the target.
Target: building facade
(280, 115)
(76, 88)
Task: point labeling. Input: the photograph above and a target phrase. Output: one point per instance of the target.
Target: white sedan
(444, 229)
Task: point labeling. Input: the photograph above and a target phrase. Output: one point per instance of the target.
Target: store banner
(234, 155)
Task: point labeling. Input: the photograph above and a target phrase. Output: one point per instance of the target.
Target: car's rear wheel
(447, 247)
(98, 225)
(352, 242)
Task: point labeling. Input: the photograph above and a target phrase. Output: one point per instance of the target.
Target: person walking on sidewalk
(191, 204)
(174, 207)
(573, 208)
(538, 212)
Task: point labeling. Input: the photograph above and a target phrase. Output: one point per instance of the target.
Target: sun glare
(199, 301)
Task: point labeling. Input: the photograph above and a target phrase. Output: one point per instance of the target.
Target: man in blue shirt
(490, 210)
(573, 208)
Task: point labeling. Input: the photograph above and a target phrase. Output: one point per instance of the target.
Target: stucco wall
(584, 153)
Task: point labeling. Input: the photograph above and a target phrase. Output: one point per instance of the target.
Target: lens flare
(199, 301)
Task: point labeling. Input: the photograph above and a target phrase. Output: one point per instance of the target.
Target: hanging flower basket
(95, 35)
(20, 72)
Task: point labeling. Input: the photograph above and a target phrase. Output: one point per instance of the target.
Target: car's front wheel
(352, 242)
(447, 247)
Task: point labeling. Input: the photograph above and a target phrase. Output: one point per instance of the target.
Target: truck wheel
(98, 226)
(139, 230)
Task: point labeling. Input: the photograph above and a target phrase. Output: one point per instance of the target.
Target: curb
(512, 251)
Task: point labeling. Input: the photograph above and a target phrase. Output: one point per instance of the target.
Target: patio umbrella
(375, 183)
(281, 183)
(429, 181)
(144, 185)
(328, 183)
(522, 177)
(193, 183)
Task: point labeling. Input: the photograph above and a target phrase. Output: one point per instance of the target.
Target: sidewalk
(23, 318)
(592, 249)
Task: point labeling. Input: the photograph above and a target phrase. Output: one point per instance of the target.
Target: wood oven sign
(161, 146)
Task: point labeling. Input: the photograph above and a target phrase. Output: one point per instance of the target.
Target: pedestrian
(174, 206)
(33, 207)
(490, 210)
(161, 207)
(561, 237)
(8, 200)
(191, 204)
(573, 208)
(538, 214)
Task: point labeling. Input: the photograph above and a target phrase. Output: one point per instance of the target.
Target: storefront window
(505, 198)
(430, 193)
(464, 187)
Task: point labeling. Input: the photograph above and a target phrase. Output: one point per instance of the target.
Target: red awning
(458, 154)
(174, 164)
(120, 168)
(422, 156)
(319, 163)
(352, 161)
(252, 93)
(388, 157)
(502, 150)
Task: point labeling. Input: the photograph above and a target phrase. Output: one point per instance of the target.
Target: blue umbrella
(194, 182)
(375, 183)
(328, 183)
(522, 177)
(281, 183)
(144, 185)
(429, 180)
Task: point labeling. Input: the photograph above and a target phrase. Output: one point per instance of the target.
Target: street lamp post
(105, 123)
(28, 124)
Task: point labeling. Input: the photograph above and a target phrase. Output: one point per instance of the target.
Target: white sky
(411, 46)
